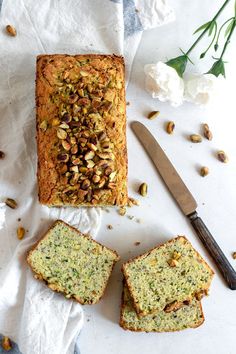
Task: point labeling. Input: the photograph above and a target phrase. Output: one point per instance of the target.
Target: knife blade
(185, 200)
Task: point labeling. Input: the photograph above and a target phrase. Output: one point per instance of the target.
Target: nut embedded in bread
(169, 274)
(188, 316)
(81, 130)
(72, 263)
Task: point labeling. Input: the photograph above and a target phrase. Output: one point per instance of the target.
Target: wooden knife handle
(214, 249)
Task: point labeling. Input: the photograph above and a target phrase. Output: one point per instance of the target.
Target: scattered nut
(234, 255)
(204, 171)
(222, 157)
(143, 189)
(11, 203)
(2, 155)
(170, 127)
(173, 262)
(6, 344)
(122, 211)
(195, 138)
(110, 227)
(130, 217)
(20, 232)
(206, 131)
(137, 243)
(11, 30)
(153, 115)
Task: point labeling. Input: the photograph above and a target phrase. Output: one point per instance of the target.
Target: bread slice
(166, 276)
(188, 316)
(72, 263)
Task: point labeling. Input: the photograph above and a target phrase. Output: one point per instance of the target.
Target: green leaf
(229, 27)
(212, 26)
(202, 27)
(179, 64)
(218, 68)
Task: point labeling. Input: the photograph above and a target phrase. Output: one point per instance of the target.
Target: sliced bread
(188, 316)
(166, 276)
(72, 263)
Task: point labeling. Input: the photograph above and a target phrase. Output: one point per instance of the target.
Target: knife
(185, 200)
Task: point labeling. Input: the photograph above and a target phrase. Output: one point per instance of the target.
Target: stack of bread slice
(163, 288)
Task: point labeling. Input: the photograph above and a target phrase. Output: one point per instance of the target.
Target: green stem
(217, 40)
(213, 39)
(207, 28)
(228, 39)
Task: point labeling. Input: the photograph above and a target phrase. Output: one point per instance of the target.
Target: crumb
(127, 103)
(137, 243)
(88, 319)
(131, 217)
(106, 210)
(19, 219)
(132, 202)
(122, 211)
(110, 227)
(136, 10)
(138, 220)
(234, 255)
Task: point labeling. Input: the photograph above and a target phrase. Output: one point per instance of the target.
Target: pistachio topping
(43, 125)
(61, 134)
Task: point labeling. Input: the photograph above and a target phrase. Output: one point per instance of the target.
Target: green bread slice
(166, 276)
(188, 316)
(72, 263)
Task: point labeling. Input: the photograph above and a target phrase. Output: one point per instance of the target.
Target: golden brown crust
(90, 89)
(53, 287)
(123, 324)
(135, 303)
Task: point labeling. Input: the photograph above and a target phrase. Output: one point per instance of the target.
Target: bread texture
(188, 316)
(81, 130)
(166, 276)
(72, 263)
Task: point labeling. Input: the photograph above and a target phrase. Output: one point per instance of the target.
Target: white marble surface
(161, 218)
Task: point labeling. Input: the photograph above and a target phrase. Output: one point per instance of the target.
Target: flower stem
(228, 38)
(207, 28)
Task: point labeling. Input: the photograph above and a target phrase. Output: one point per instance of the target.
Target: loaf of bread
(188, 316)
(72, 263)
(166, 276)
(81, 130)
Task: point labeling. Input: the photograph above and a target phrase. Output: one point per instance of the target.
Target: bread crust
(124, 325)
(189, 298)
(52, 183)
(39, 276)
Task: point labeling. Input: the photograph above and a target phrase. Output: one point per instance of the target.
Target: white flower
(200, 89)
(163, 82)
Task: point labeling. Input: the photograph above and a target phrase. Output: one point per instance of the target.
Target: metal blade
(165, 168)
